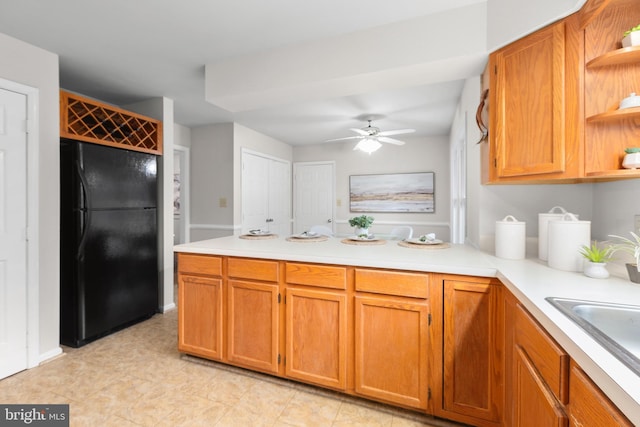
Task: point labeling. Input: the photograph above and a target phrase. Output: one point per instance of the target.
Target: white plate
(259, 233)
(364, 239)
(306, 235)
(417, 241)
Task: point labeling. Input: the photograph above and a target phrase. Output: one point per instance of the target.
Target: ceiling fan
(370, 137)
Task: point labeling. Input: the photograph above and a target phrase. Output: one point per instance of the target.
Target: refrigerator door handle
(86, 212)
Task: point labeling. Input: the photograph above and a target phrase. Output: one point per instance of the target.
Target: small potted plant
(631, 37)
(597, 259)
(632, 247)
(632, 158)
(361, 224)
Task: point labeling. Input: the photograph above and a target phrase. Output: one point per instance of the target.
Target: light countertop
(530, 280)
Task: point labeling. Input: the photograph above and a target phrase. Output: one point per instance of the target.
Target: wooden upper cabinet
(554, 98)
(88, 120)
(611, 74)
(532, 134)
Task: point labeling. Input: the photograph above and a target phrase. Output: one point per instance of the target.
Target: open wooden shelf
(625, 113)
(88, 120)
(616, 173)
(624, 56)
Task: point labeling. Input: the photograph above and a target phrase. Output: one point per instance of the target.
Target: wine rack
(88, 120)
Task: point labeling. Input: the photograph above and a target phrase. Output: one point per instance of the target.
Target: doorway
(181, 223)
(18, 228)
(313, 195)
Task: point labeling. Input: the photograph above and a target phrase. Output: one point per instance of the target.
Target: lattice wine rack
(89, 120)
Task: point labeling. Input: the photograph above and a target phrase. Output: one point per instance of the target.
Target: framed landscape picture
(399, 192)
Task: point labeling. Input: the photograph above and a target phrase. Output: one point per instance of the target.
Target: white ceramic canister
(555, 213)
(511, 238)
(566, 237)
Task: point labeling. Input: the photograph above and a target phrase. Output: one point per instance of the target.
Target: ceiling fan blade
(396, 132)
(390, 140)
(360, 131)
(342, 139)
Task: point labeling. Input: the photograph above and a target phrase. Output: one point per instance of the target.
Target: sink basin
(615, 326)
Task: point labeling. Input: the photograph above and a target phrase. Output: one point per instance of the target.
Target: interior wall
(419, 154)
(35, 67)
(211, 181)
(508, 20)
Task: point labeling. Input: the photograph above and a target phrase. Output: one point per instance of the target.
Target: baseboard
(50, 355)
(168, 307)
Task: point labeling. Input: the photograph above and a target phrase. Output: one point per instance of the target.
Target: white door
(280, 197)
(266, 194)
(255, 192)
(13, 231)
(314, 191)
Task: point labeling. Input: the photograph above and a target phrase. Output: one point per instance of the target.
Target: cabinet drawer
(257, 269)
(325, 276)
(200, 264)
(392, 283)
(548, 357)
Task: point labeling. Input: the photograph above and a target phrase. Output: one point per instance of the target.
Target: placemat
(363, 242)
(417, 246)
(258, 237)
(307, 239)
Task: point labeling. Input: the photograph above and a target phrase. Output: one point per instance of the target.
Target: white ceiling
(125, 51)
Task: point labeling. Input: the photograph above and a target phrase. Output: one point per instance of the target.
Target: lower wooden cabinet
(588, 406)
(534, 404)
(391, 350)
(316, 337)
(200, 316)
(253, 325)
(459, 347)
(472, 351)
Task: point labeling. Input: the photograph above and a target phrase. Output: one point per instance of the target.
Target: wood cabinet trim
(325, 276)
(250, 268)
(398, 283)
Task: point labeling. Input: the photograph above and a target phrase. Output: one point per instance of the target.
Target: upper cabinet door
(528, 106)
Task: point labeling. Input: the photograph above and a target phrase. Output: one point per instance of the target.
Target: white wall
(508, 20)
(417, 155)
(211, 180)
(181, 135)
(32, 66)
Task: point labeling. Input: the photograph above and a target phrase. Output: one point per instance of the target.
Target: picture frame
(399, 192)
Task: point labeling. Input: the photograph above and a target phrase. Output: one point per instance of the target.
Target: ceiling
(125, 51)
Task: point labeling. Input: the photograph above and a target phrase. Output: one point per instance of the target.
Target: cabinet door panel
(253, 325)
(200, 316)
(528, 115)
(589, 406)
(472, 349)
(391, 350)
(535, 405)
(316, 337)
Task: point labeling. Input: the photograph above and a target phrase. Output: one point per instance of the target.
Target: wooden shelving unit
(624, 56)
(88, 120)
(625, 113)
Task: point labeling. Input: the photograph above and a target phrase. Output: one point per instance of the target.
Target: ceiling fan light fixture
(368, 145)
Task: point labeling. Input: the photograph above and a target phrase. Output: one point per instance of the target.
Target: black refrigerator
(108, 240)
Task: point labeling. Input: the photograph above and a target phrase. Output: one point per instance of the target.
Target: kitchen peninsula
(426, 329)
